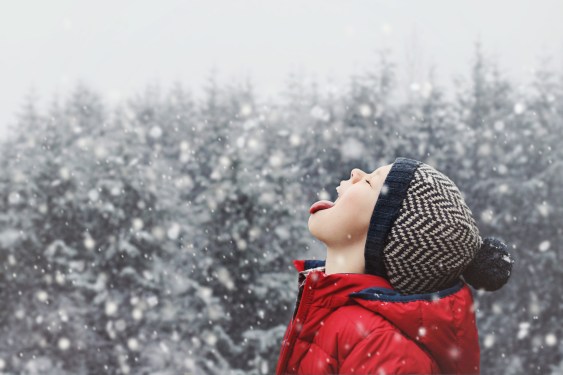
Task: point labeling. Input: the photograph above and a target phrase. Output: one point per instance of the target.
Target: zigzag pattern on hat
(434, 236)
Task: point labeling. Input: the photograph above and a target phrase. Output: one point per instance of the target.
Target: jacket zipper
(301, 307)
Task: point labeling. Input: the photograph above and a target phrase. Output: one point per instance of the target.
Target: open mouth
(320, 205)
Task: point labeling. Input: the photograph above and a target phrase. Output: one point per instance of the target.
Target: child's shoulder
(345, 312)
(355, 321)
(347, 326)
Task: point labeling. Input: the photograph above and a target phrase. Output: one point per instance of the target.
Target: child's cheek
(351, 209)
(353, 200)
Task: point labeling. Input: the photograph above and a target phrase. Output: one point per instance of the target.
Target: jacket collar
(335, 289)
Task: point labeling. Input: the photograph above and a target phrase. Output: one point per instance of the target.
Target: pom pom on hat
(491, 267)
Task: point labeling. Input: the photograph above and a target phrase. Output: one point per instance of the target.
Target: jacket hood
(442, 323)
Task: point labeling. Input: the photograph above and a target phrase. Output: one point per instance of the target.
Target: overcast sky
(118, 47)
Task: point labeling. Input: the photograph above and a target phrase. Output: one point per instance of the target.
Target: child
(389, 298)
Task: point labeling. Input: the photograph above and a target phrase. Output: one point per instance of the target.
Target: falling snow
(157, 236)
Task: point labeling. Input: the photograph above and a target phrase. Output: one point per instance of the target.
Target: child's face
(348, 220)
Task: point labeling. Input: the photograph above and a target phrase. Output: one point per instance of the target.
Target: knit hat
(422, 236)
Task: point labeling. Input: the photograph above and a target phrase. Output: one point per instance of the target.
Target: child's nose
(356, 174)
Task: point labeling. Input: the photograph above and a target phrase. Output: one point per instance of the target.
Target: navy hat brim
(386, 210)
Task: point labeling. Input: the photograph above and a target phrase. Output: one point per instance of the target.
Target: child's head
(419, 233)
(349, 218)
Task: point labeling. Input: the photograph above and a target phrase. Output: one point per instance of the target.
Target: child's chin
(314, 225)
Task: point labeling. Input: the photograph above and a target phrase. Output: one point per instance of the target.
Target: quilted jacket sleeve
(387, 352)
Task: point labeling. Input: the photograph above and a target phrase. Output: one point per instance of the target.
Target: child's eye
(368, 182)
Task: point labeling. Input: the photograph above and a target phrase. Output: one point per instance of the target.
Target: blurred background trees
(157, 236)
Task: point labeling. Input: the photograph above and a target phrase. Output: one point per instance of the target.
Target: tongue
(320, 205)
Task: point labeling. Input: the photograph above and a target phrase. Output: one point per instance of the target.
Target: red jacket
(350, 323)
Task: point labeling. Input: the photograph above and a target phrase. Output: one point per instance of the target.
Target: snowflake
(352, 149)
(158, 232)
(89, 242)
(173, 231)
(484, 149)
(205, 292)
(422, 331)
(63, 315)
(225, 161)
(295, 140)
(324, 195)
(133, 344)
(42, 295)
(93, 195)
(454, 352)
(550, 339)
(254, 233)
(184, 157)
(283, 233)
(100, 152)
(164, 347)
(155, 132)
(189, 363)
(498, 126)
(63, 343)
(523, 330)
(14, 198)
(137, 224)
(137, 314)
(152, 301)
(246, 109)
(241, 244)
(544, 245)
(489, 340)
(225, 278)
(111, 307)
(276, 160)
(503, 188)
(253, 143)
(64, 173)
(319, 113)
(543, 209)
(210, 338)
(240, 141)
(487, 215)
(365, 110)
(519, 108)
